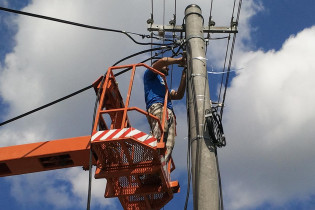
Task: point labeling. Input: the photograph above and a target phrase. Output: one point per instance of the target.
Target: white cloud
(269, 125)
(63, 189)
(97, 192)
(51, 60)
(4, 3)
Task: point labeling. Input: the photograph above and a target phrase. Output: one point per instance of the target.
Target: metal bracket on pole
(206, 29)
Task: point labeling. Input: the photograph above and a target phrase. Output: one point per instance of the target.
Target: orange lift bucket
(132, 161)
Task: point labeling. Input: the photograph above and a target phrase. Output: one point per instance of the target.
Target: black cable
(210, 18)
(239, 10)
(91, 150)
(152, 9)
(166, 49)
(217, 38)
(47, 105)
(219, 178)
(233, 10)
(124, 71)
(81, 25)
(230, 61)
(189, 169)
(138, 53)
(225, 59)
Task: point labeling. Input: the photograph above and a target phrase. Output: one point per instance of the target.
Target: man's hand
(183, 60)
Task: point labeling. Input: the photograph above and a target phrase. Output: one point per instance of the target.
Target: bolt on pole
(204, 168)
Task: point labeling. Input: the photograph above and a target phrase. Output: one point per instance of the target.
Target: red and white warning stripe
(123, 133)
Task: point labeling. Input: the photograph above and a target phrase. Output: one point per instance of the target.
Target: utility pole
(204, 168)
(205, 183)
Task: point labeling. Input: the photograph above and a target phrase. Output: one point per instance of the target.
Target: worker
(154, 90)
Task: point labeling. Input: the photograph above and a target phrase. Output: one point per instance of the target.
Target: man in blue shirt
(154, 90)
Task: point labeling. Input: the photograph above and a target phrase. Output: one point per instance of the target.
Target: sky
(268, 118)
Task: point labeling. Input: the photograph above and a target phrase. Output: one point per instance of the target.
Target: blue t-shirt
(154, 89)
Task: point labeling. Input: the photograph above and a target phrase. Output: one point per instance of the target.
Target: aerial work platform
(132, 161)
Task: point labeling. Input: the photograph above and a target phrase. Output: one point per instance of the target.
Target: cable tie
(195, 36)
(202, 59)
(195, 75)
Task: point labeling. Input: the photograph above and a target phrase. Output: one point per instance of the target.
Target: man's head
(165, 70)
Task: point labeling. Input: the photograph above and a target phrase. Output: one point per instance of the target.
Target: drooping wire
(82, 25)
(46, 105)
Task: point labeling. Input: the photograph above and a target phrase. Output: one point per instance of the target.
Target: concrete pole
(204, 168)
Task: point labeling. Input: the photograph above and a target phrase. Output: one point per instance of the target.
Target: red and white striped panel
(124, 133)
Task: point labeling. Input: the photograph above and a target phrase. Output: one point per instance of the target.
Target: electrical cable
(139, 53)
(163, 14)
(81, 25)
(46, 105)
(210, 14)
(233, 11)
(217, 38)
(219, 179)
(225, 59)
(226, 53)
(224, 95)
(210, 18)
(91, 153)
(188, 151)
(230, 60)
(91, 149)
(135, 54)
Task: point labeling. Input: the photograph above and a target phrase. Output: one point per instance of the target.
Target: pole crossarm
(206, 29)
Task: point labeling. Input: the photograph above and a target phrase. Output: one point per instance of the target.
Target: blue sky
(267, 163)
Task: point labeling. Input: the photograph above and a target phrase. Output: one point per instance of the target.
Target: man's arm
(179, 94)
(166, 61)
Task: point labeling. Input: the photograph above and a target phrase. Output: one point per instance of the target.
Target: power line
(225, 59)
(141, 52)
(46, 105)
(82, 25)
(230, 60)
